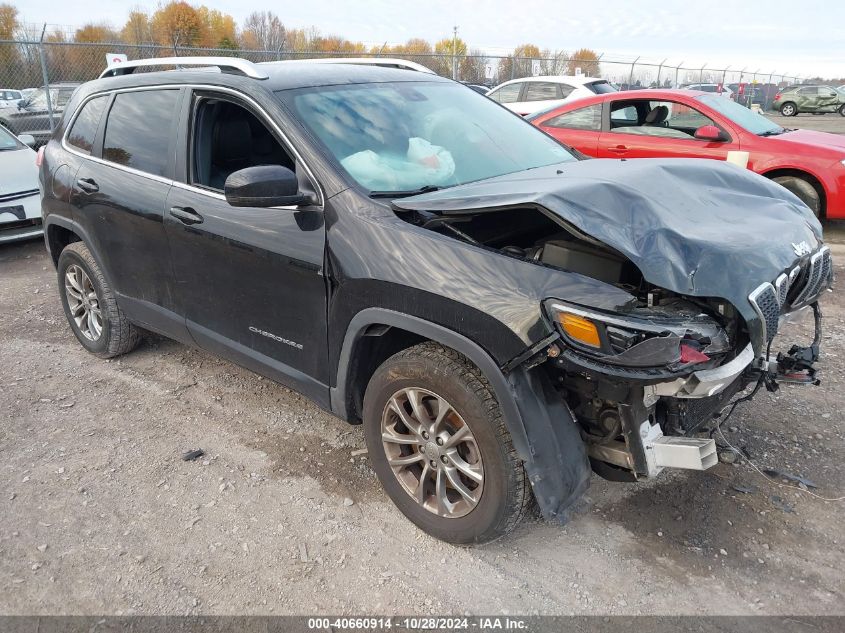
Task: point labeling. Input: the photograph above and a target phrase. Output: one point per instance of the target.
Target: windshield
(7, 141)
(742, 116)
(401, 137)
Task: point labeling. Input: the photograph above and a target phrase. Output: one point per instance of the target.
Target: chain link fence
(28, 65)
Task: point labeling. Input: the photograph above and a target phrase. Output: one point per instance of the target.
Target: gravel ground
(832, 122)
(99, 515)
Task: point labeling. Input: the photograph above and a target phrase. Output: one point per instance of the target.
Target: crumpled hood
(697, 227)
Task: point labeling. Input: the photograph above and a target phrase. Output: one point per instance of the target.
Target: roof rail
(388, 62)
(244, 66)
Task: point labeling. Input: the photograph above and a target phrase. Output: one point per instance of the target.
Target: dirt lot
(100, 515)
(821, 122)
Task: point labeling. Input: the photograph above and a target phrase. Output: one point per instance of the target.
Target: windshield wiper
(404, 194)
(772, 132)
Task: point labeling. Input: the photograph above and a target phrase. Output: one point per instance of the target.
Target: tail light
(777, 97)
(39, 157)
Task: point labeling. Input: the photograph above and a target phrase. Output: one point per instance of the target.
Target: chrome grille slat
(817, 275)
(765, 302)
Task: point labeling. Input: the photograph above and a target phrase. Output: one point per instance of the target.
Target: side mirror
(263, 186)
(710, 133)
(27, 139)
(21, 104)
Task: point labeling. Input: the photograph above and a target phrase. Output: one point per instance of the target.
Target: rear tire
(842, 110)
(438, 442)
(804, 189)
(789, 109)
(90, 305)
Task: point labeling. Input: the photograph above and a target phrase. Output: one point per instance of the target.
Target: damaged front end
(709, 278)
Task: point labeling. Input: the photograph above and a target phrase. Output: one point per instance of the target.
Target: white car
(20, 199)
(532, 94)
(725, 91)
(9, 98)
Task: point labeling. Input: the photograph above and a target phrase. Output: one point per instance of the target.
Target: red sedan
(692, 124)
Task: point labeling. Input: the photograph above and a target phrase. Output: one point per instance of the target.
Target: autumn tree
(587, 60)
(415, 49)
(219, 29)
(137, 29)
(337, 44)
(450, 50)
(178, 24)
(9, 56)
(519, 62)
(264, 31)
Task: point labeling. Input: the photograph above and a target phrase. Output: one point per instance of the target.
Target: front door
(645, 128)
(250, 280)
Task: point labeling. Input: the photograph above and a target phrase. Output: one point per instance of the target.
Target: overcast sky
(803, 37)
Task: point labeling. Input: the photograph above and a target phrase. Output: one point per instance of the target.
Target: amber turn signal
(580, 329)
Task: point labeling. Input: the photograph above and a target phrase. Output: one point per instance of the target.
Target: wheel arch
(544, 432)
(795, 172)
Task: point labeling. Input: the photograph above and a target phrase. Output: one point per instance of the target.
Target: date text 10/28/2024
(418, 623)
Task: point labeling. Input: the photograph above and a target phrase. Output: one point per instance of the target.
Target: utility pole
(455, 52)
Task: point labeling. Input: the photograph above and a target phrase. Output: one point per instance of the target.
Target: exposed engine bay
(643, 382)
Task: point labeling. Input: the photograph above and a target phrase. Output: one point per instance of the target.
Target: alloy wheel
(83, 303)
(432, 452)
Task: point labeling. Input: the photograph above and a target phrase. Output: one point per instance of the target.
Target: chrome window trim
(263, 114)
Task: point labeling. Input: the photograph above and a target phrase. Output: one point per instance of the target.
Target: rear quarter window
(138, 129)
(588, 118)
(84, 128)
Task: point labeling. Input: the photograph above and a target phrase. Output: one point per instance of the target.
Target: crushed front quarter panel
(696, 227)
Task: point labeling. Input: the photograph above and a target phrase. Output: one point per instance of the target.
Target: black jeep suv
(502, 317)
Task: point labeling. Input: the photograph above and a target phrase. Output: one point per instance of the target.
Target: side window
(827, 92)
(226, 138)
(808, 91)
(541, 91)
(81, 134)
(623, 114)
(507, 94)
(666, 119)
(565, 90)
(138, 129)
(588, 118)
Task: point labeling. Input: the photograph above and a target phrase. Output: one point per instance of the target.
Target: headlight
(842, 161)
(642, 340)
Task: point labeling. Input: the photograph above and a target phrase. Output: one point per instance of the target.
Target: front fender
(542, 428)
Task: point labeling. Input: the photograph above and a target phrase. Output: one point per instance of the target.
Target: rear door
(539, 95)
(251, 280)
(658, 137)
(828, 99)
(119, 193)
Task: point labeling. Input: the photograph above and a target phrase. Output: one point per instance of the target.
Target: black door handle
(88, 185)
(186, 215)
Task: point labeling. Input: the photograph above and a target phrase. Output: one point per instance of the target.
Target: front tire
(439, 445)
(789, 109)
(90, 305)
(842, 110)
(805, 190)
